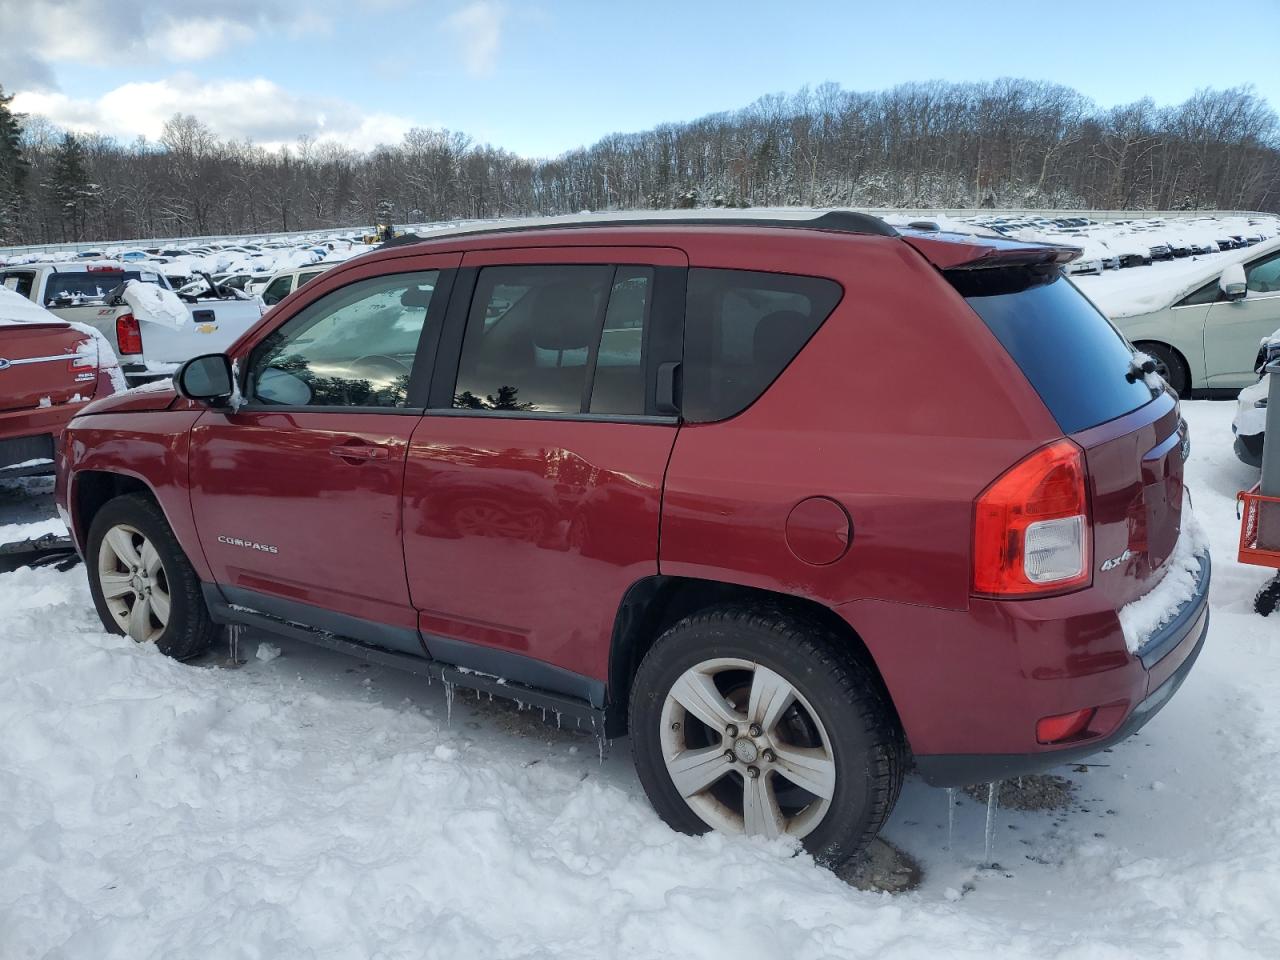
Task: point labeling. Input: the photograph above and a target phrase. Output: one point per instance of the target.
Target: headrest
(779, 333)
(565, 317)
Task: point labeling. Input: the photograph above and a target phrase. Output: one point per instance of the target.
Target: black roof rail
(837, 221)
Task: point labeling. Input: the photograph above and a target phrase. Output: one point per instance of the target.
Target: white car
(1201, 320)
(284, 283)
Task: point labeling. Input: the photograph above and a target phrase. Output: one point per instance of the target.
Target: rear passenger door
(533, 485)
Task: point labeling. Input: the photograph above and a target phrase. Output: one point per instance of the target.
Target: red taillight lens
(1064, 726)
(128, 334)
(1031, 526)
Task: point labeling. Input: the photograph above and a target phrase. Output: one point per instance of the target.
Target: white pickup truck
(150, 344)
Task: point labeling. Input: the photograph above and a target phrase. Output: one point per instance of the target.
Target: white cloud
(87, 31)
(478, 26)
(257, 109)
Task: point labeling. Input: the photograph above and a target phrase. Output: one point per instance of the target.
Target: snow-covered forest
(1003, 143)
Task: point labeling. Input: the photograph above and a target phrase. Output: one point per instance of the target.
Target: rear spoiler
(966, 251)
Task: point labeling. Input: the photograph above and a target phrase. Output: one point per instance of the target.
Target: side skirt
(575, 708)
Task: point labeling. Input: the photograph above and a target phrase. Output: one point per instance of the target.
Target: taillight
(83, 362)
(1031, 526)
(128, 334)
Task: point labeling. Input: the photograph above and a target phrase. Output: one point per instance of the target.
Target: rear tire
(1170, 365)
(142, 584)
(749, 720)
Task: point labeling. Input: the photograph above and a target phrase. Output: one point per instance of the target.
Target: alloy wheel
(746, 751)
(134, 583)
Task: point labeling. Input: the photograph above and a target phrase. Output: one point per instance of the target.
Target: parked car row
(147, 344)
(1118, 244)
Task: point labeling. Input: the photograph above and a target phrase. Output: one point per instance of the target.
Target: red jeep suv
(793, 501)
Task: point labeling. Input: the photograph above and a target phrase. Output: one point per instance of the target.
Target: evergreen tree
(13, 171)
(71, 191)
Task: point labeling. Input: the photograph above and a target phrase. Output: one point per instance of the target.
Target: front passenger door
(1235, 327)
(296, 494)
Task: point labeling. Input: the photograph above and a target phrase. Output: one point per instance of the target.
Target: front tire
(142, 584)
(749, 721)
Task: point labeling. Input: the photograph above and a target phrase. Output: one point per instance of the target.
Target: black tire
(189, 630)
(1170, 365)
(869, 752)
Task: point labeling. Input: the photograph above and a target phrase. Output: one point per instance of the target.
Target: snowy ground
(308, 806)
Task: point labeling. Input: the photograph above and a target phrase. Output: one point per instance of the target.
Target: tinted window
(741, 331)
(618, 385)
(530, 338)
(19, 283)
(65, 289)
(1264, 275)
(1206, 294)
(354, 347)
(1072, 355)
(277, 290)
(304, 278)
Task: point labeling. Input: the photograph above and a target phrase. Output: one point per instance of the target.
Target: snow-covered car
(1200, 319)
(149, 328)
(49, 370)
(1250, 422)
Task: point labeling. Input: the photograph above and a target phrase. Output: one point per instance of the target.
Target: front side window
(556, 339)
(277, 290)
(742, 329)
(354, 347)
(1206, 294)
(1263, 276)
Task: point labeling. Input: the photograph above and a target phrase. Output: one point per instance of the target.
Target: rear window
(1072, 355)
(68, 289)
(742, 328)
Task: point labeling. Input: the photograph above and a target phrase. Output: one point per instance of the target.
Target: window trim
(419, 373)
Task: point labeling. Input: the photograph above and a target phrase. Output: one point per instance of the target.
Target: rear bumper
(27, 435)
(1181, 645)
(1249, 448)
(970, 686)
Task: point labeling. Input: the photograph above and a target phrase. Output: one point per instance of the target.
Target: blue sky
(540, 78)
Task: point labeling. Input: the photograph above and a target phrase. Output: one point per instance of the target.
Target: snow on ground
(306, 805)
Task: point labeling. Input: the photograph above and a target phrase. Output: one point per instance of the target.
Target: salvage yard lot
(305, 805)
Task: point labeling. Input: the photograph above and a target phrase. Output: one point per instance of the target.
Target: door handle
(360, 451)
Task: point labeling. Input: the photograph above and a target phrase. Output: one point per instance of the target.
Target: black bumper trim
(963, 769)
(1165, 640)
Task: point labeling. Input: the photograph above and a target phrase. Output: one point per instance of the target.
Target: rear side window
(741, 330)
(556, 339)
(1072, 355)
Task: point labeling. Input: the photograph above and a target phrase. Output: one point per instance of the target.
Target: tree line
(1003, 143)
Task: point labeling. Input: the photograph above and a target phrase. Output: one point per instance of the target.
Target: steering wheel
(378, 366)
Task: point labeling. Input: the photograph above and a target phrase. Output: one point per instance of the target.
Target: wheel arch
(91, 490)
(1179, 354)
(653, 604)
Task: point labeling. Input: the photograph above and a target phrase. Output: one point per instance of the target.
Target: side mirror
(1233, 284)
(206, 378)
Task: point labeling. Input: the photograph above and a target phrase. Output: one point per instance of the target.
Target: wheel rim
(746, 750)
(134, 583)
